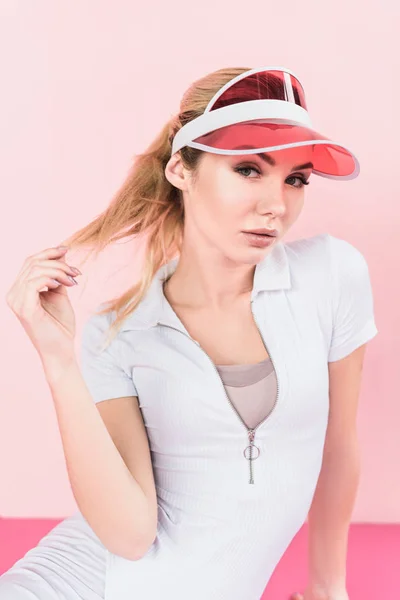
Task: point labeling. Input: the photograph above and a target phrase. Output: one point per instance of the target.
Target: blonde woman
(213, 407)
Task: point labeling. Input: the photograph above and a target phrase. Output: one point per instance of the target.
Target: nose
(273, 201)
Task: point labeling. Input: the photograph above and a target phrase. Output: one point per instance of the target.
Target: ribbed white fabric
(220, 537)
(68, 563)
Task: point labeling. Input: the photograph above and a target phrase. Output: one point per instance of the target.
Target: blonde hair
(148, 203)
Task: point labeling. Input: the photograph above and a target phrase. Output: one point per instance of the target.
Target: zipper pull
(248, 452)
(251, 434)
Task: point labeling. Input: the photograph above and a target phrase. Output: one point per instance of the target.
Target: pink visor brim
(328, 158)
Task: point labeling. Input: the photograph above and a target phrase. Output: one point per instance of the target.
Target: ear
(176, 173)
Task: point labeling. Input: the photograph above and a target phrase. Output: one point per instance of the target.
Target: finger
(52, 263)
(53, 268)
(14, 291)
(51, 272)
(48, 253)
(28, 301)
(53, 285)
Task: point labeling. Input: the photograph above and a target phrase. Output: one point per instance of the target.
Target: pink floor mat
(373, 566)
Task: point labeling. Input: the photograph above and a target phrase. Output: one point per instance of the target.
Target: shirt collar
(272, 273)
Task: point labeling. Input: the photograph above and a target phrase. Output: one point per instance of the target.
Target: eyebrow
(268, 159)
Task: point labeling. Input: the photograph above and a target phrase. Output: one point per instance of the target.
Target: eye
(248, 168)
(301, 178)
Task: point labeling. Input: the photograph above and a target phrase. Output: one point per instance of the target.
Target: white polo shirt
(219, 536)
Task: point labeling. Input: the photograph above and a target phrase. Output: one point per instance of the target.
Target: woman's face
(236, 193)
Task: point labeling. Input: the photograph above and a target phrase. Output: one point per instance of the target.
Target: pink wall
(85, 85)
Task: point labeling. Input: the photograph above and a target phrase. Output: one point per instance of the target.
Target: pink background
(86, 85)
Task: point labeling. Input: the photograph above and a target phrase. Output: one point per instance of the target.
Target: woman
(220, 378)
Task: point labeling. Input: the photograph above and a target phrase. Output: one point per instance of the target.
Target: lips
(260, 241)
(264, 231)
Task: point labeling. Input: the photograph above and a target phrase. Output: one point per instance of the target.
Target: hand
(47, 316)
(319, 593)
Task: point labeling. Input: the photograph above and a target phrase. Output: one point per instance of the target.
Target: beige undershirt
(252, 389)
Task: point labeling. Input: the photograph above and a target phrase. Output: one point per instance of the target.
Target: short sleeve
(352, 299)
(102, 369)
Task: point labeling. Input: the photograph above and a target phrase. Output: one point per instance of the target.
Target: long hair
(147, 203)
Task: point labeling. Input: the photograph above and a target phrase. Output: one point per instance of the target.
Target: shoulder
(344, 255)
(351, 281)
(327, 252)
(308, 260)
(308, 248)
(104, 365)
(99, 336)
(96, 328)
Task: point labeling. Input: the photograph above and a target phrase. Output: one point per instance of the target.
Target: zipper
(251, 432)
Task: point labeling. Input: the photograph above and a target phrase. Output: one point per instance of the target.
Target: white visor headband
(264, 110)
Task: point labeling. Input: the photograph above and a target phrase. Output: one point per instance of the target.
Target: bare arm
(333, 502)
(107, 494)
(114, 489)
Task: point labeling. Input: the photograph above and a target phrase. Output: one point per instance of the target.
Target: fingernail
(72, 279)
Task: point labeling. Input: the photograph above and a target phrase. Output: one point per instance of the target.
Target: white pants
(68, 563)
